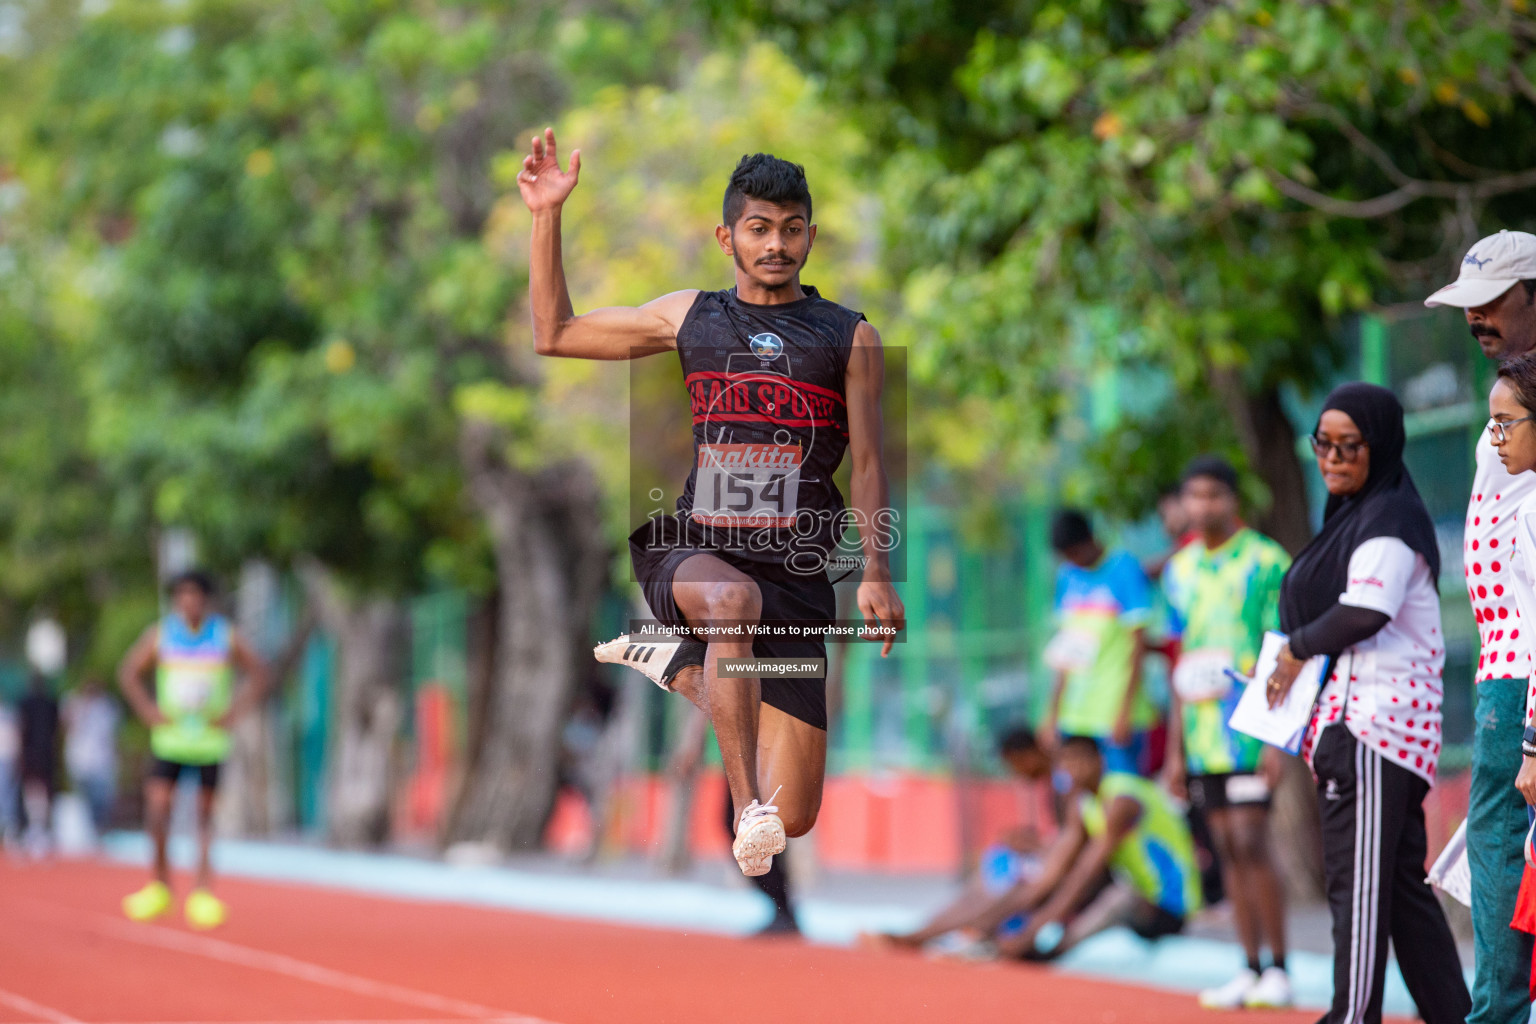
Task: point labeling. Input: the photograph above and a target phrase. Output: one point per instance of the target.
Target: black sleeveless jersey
(770, 425)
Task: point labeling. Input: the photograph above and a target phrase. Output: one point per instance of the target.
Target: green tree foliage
(69, 547)
(260, 226)
(260, 234)
(1207, 187)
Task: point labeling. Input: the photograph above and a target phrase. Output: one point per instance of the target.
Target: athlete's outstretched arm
(132, 672)
(258, 678)
(871, 489)
(618, 332)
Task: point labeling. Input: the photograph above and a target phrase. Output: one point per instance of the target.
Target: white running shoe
(1272, 992)
(1233, 995)
(646, 655)
(759, 836)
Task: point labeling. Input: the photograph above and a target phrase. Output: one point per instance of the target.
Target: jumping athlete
(782, 382)
(194, 653)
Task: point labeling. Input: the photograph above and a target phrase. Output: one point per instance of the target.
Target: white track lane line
(32, 1009)
(367, 1020)
(278, 963)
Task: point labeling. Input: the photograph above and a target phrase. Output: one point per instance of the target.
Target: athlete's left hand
(880, 606)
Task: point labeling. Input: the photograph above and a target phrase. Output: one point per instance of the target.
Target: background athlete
(1224, 591)
(781, 382)
(194, 654)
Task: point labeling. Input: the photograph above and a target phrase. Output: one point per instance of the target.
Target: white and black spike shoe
(659, 659)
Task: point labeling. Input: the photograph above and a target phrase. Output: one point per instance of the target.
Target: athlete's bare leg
(1115, 905)
(972, 902)
(157, 819)
(1249, 877)
(791, 758)
(205, 800)
(709, 591)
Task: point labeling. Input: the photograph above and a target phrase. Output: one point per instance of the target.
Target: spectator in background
(1176, 527)
(10, 762)
(1512, 410)
(39, 713)
(1362, 594)
(91, 718)
(1103, 604)
(1013, 861)
(1224, 591)
(1497, 288)
(1123, 857)
(193, 654)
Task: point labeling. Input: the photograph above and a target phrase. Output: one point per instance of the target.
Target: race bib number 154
(747, 485)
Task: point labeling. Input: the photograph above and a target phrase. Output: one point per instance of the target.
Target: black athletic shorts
(1153, 922)
(1228, 789)
(171, 771)
(787, 597)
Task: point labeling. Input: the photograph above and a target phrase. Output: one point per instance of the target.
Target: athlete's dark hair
(196, 577)
(1521, 374)
(1069, 529)
(1086, 744)
(765, 177)
(1212, 467)
(1017, 740)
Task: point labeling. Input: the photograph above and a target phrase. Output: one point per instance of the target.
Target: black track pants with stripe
(1374, 848)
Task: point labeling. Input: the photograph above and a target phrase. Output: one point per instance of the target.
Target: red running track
(300, 955)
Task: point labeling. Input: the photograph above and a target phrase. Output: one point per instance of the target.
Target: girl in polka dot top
(1512, 434)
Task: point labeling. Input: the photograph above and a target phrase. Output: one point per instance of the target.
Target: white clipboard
(1285, 725)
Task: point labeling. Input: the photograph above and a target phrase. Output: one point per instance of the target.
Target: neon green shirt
(1157, 859)
(1223, 601)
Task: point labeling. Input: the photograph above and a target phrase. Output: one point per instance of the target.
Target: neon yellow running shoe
(204, 910)
(148, 903)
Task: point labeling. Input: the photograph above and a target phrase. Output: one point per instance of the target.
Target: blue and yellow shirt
(194, 684)
(1098, 613)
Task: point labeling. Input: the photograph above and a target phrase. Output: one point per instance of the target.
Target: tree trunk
(1269, 441)
(480, 685)
(551, 562)
(369, 637)
(256, 796)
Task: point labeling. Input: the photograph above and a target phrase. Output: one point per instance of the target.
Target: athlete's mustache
(1484, 331)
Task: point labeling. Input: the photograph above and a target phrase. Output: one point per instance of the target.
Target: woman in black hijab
(1363, 594)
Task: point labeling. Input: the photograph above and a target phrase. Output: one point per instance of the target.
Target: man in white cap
(1497, 288)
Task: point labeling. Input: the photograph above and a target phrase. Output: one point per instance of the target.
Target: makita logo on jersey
(753, 456)
(760, 398)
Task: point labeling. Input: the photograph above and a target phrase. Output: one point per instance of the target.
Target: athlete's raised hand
(880, 606)
(543, 184)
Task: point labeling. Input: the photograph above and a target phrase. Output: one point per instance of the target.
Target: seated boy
(1123, 857)
(1014, 859)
